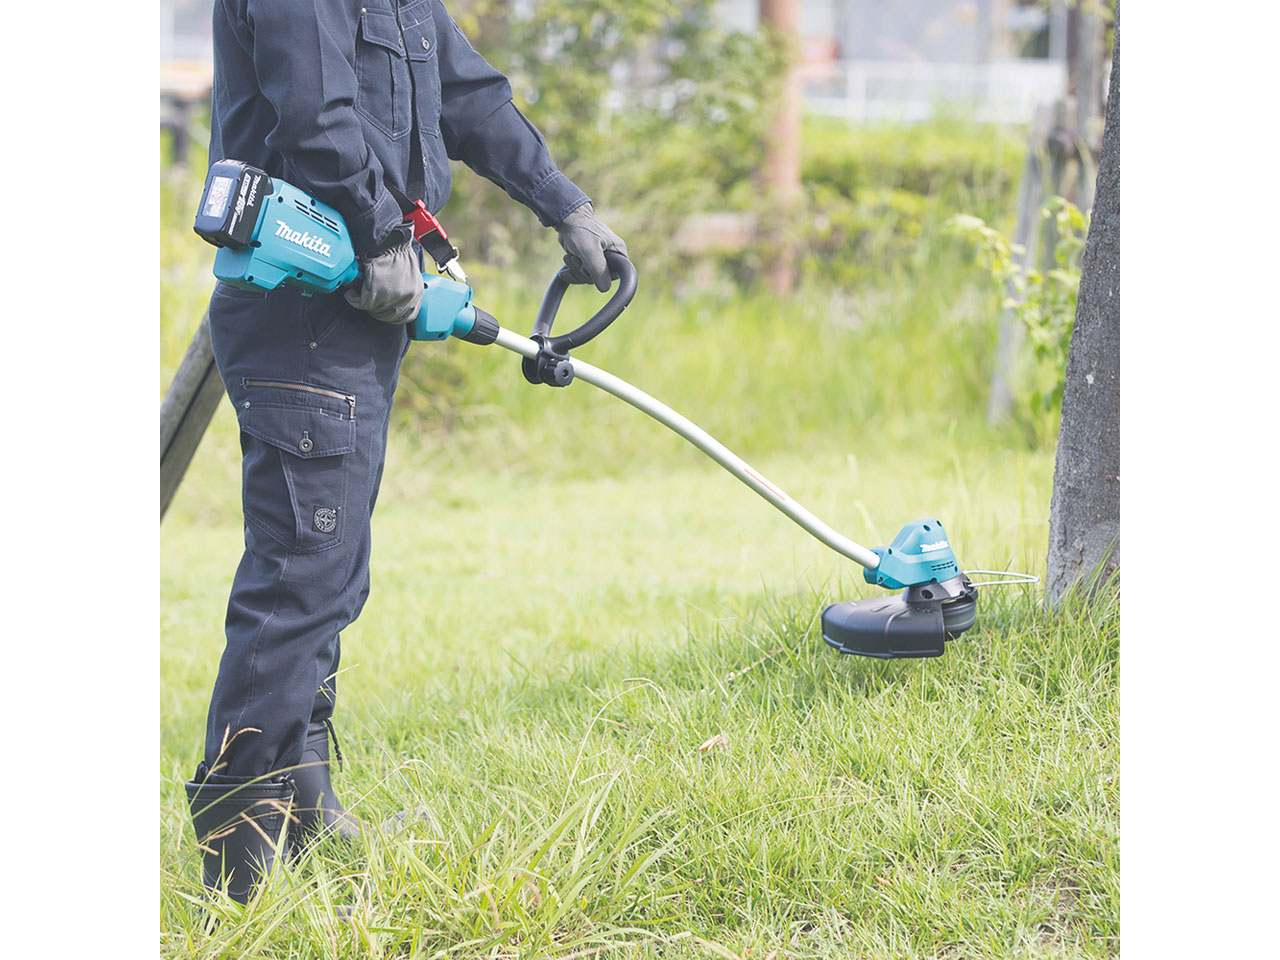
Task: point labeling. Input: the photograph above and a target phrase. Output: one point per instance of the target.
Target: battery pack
(270, 233)
(234, 193)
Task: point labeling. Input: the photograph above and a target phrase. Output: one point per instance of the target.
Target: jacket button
(305, 444)
(426, 44)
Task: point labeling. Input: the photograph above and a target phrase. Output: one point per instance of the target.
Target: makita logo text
(301, 239)
(930, 547)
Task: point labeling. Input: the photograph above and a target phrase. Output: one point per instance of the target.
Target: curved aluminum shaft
(708, 444)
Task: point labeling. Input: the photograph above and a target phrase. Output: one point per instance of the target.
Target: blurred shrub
(847, 236)
(650, 105)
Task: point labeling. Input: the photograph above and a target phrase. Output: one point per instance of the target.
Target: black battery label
(215, 204)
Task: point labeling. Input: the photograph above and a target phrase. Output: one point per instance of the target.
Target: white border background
(1200, 628)
(80, 526)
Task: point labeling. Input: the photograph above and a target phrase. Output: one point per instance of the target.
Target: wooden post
(782, 157)
(1087, 90)
(1063, 147)
(1066, 133)
(186, 411)
(175, 118)
(1011, 333)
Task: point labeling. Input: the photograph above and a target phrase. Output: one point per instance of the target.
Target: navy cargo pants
(312, 381)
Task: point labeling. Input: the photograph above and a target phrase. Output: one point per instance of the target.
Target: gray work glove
(585, 239)
(392, 287)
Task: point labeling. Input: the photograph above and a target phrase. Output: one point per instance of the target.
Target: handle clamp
(549, 367)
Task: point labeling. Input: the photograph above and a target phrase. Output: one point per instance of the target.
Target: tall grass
(960, 807)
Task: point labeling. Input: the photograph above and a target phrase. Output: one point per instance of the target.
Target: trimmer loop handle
(552, 365)
(621, 269)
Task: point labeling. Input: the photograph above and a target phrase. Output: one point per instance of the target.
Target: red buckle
(423, 222)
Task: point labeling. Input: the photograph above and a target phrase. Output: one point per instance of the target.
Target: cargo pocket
(296, 439)
(383, 94)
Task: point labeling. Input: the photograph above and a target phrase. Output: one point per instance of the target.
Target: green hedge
(877, 198)
(945, 159)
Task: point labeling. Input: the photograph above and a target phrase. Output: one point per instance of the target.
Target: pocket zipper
(351, 400)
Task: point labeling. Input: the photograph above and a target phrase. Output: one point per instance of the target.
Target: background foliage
(675, 130)
(650, 106)
(658, 113)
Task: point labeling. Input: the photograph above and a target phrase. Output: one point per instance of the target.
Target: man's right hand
(585, 240)
(392, 287)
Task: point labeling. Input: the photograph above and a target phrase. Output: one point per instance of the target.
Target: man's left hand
(585, 239)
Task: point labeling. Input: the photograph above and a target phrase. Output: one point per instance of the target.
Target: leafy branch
(1043, 300)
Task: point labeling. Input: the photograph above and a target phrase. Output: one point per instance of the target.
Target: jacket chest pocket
(383, 87)
(420, 48)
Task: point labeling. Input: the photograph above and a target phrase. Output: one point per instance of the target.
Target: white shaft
(708, 444)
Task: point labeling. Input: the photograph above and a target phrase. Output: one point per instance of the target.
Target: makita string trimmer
(271, 233)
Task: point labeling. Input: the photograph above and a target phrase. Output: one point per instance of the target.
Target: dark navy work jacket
(330, 94)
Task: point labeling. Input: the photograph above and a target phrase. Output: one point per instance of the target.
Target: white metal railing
(869, 90)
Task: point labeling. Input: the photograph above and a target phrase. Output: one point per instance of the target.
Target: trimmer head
(915, 624)
(938, 602)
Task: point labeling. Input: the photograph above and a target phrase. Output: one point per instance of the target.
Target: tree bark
(782, 157)
(1084, 517)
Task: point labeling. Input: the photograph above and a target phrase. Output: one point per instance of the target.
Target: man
(361, 103)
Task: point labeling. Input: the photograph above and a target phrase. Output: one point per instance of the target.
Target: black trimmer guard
(916, 624)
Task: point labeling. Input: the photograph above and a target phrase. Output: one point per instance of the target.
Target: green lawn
(569, 601)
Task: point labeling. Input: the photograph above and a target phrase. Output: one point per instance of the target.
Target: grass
(591, 664)
(531, 700)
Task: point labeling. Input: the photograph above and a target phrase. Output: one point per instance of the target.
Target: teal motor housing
(269, 233)
(920, 553)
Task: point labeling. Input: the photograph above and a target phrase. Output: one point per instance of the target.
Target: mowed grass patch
(485, 575)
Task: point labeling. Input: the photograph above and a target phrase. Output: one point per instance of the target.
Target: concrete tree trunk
(782, 156)
(1084, 518)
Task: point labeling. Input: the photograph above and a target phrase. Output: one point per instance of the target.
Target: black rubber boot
(318, 811)
(239, 827)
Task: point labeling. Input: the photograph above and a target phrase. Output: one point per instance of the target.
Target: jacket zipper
(351, 400)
